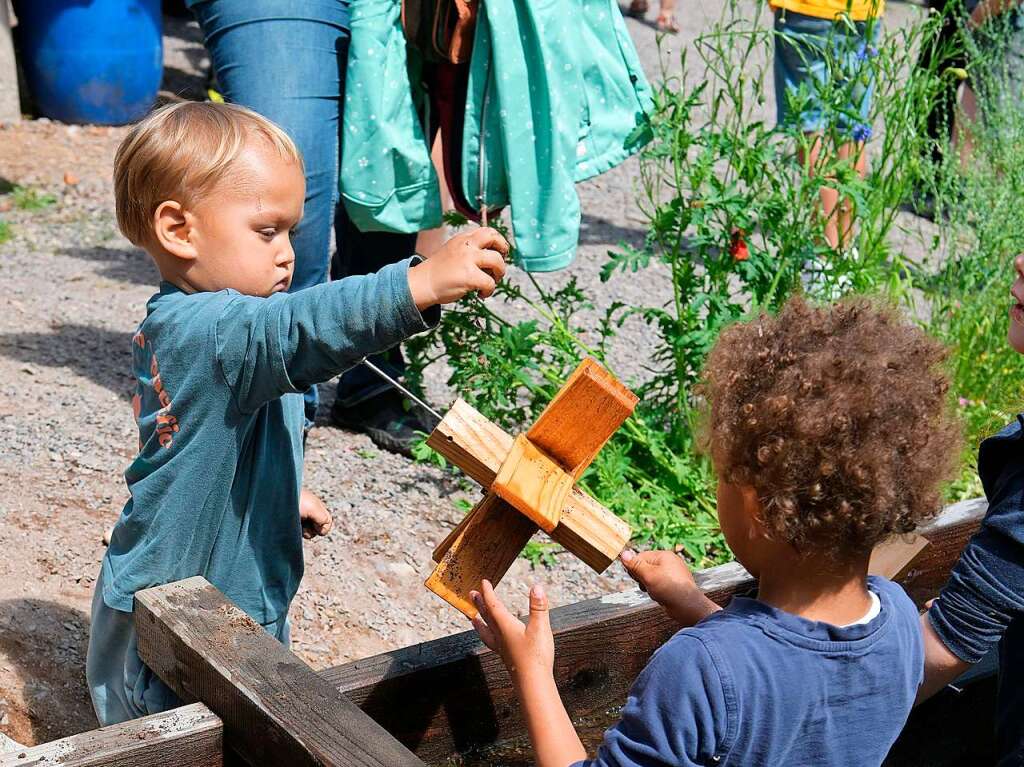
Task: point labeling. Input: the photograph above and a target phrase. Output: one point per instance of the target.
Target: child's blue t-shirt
(752, 685)
(215, 485)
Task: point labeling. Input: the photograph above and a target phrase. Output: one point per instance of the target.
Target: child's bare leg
(667, 16)
(845, 213)
(811, 160)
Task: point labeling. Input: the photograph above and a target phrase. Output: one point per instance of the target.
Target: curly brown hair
(838, 416)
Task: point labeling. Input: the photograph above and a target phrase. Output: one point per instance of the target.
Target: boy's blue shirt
(982, 603)
(752, 685)
(215, 486)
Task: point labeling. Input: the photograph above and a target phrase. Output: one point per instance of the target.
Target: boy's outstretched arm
(286, 343)
(529, 655)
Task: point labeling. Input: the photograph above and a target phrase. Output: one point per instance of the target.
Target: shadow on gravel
(102, 356)
(184, 37)
(595, 230)
(44, 645)
(131, 266)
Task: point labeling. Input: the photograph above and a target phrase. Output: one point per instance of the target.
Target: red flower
(738, 246)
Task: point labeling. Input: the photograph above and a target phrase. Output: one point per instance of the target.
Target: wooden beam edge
(189, 736)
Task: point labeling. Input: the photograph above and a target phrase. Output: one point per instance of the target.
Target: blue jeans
(819, 57)
(286, 60)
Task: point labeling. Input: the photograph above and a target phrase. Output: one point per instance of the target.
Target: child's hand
(527, 650)
(316, 519)
(668, 581)
(467, 262)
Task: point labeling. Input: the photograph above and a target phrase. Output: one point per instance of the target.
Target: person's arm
(984, 593)
(529, 655)
(941, 666)
(286, 343)
(669, 582)
(675, 713)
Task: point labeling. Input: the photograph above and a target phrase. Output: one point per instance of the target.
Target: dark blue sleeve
(676, 712)
(985, 591)
(288, 342)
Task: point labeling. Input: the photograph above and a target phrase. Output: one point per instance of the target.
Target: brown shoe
(637, 9)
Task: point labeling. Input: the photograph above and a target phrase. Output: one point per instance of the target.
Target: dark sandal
(638, 9)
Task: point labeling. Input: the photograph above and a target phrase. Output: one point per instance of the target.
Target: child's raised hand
(316, 519)
(526, 650)
(669, 582)
(466, 263)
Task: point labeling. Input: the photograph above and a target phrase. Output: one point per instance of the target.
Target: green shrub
(733, 219)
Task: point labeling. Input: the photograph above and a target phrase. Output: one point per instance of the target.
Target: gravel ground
(74, 291)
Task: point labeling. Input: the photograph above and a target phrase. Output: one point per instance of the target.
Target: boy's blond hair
(181, 152)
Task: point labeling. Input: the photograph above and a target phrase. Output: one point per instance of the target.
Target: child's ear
(753, 511)
(172, 227)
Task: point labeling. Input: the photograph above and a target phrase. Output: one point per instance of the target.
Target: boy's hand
(527, 650)
(668, 581)
(467, 262)
(316, 519)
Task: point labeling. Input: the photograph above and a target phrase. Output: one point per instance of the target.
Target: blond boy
(212, 192)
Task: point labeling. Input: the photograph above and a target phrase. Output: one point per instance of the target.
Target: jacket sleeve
(675, 713)
(985, 591)
(267, 347)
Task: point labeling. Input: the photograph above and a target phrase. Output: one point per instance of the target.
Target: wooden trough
(252, 700)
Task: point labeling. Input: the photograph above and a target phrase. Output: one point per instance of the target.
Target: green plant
(6, 232)
(27, 198)
(734, 221)
(981, 230)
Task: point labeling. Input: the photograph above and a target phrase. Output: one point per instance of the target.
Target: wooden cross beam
(530, 483)
(274, 708)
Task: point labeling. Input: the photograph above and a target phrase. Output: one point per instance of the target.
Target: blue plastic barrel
(91, 61)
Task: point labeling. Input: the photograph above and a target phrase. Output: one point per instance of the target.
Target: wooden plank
(891, 558)
(190, 736)
(534, 484)
(453, 694)
(485, 548)
(582, 417)
(590, 531)
(475, 444)
(449, 539)
(275, 709)
(478, 447)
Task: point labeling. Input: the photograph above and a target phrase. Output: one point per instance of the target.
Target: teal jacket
(556, 90)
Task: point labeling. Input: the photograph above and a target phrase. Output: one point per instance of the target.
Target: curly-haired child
(830, 430)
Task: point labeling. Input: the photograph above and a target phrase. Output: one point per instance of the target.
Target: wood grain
(478, 447)
(190, 736)
(581, 418)
(485, 548)
(891, 558)
(452, 695)
(534, 484)
(475, 444)
(275, 709)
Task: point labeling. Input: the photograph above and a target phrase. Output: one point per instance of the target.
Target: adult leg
(286, 60)
(364, 401)
(940, 54)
